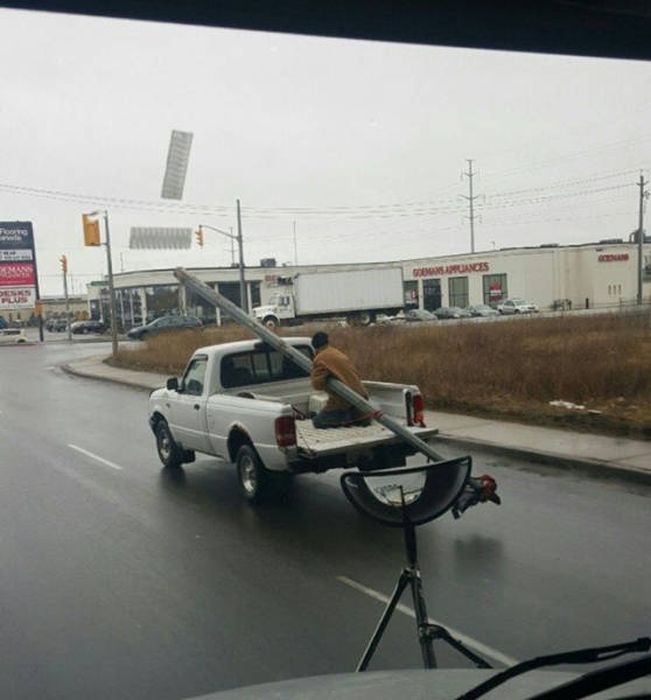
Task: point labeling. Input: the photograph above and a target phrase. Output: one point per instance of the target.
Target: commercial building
(594, 275)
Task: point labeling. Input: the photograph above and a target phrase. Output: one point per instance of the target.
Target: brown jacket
(330, 362)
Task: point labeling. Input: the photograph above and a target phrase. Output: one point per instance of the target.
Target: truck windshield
(260, 366)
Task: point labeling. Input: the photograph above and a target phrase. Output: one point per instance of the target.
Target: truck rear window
(260, 366)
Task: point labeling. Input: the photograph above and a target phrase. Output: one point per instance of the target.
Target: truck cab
(279, 310)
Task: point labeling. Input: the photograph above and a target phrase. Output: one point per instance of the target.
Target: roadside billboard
(18, 282)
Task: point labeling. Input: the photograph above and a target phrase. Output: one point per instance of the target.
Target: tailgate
(318, 442)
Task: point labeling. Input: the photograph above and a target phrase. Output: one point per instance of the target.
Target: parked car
(517, 306)
(420, 316)
(3, 323)
(482, 310)
(445, 312)
(163, 324)
(56, 325)
(387, 320)
(89, 326)
(12, 336)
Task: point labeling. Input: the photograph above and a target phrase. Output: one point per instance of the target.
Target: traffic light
(91, 231)
(64, 264)
(199, 234)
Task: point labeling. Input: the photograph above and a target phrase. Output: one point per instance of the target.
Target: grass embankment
(511, 369)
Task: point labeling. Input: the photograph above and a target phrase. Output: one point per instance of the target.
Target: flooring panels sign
(17, 265)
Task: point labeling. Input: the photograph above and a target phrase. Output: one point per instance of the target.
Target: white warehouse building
(594, 275)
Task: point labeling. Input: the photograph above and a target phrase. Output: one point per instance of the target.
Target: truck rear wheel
(257, 483)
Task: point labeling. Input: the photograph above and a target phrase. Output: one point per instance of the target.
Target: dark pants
(335, 419)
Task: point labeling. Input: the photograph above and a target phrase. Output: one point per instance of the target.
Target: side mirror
(419, 494)
(172, 384)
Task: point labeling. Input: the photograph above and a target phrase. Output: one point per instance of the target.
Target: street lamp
(240, 245)
(107, 243)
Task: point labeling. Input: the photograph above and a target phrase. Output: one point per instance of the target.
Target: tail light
(285, 431)
(418, 410)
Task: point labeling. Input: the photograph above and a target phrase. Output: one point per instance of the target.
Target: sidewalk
(612, 456)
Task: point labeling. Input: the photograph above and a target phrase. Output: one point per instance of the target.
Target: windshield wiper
(579, 656)
(601, 679)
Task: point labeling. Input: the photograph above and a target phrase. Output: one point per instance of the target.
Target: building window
(162, 300)
(619, 289)
(432, 294)
(610, 290)
(495, 289)
(410, 289)
(458, 291)
(199, 307)
(230, 290)
(255, 294)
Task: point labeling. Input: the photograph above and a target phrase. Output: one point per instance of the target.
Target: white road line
(406, 610)
(95, 457)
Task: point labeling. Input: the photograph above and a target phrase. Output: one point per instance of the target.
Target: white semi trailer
(356, 295)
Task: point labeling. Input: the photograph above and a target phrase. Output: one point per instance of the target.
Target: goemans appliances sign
(455, 269)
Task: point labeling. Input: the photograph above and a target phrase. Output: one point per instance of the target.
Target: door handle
(196, 407)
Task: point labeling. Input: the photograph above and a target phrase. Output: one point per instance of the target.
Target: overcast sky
(361, 144)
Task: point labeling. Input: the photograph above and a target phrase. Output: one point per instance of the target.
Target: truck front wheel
(169, 453)
(257, 483)
(271, 322)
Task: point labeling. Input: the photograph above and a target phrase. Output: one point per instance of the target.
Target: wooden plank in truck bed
(319, 442)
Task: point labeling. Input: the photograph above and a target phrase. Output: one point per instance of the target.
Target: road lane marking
(95, 457)
(406, 610)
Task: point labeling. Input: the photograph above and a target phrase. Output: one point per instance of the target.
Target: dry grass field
(512, 368)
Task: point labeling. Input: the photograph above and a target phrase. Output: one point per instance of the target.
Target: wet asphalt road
(120, 580)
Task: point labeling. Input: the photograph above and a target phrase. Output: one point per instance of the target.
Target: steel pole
(203, 290)
(114, 325)
(640, 245)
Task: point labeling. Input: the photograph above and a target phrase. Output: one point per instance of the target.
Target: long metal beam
(202, 290)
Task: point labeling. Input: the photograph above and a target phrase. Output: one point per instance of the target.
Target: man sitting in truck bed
(330, 362)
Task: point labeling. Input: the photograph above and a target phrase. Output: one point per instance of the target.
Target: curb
(592, 467)
(73, 371)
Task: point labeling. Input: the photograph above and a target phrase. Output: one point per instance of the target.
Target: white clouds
(88, 105)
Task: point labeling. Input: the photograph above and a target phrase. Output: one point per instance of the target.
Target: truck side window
(194, 377)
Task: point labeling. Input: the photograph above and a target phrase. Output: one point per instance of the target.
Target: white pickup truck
(245, 403)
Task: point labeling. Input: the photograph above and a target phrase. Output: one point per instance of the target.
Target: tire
(256, 482)
(359, 318)
(169, 453)
(270, 322)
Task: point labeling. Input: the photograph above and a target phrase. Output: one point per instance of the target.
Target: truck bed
(319, 442)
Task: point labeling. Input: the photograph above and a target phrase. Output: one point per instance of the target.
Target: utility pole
(243, 296)
(240, 244)
(64, 268)
(109, 261)
(640, 241)
(471, 199)
(295, 246)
